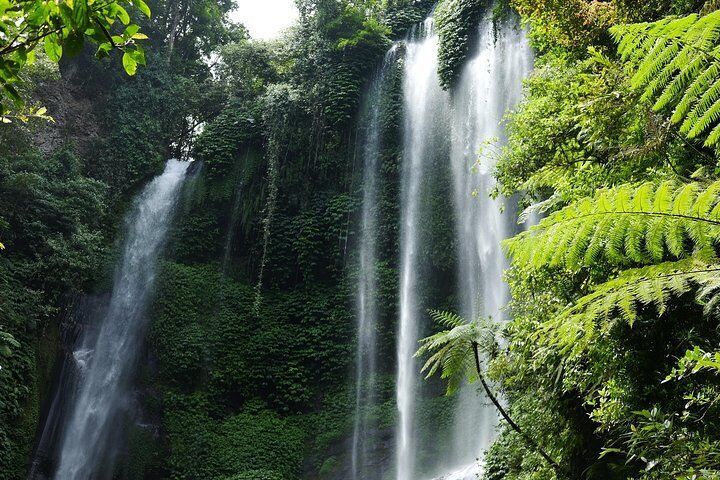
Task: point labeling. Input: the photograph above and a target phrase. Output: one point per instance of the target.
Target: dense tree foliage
(62, 28)
(609, 367)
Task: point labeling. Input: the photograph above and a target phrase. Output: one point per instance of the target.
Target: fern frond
(451, 351)
(447, 319)
(677, 62)
(621, 297)
(625, 225)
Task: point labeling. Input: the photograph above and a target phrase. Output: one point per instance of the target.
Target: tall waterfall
(366, 301)
(425, 106)
(106, 356)
(490, 84)
(471, 116)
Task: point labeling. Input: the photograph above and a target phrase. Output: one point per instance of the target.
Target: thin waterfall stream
(106, 353)
(366, 302)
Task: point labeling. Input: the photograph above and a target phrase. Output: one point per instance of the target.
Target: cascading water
(105, 356)
(424, 109)
(490, 84)
(367, 315)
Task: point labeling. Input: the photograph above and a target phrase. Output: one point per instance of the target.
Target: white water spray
(109, 354)
(490, 84)
(425, 108)
(366, 301)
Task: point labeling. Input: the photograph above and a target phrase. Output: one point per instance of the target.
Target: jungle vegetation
(610, 366)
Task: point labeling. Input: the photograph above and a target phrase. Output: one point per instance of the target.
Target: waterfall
(425, 106)
(490, 84)
(106, 355)
(366, 301)
(471, 117)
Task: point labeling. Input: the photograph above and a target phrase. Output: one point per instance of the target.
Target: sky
(265, 19)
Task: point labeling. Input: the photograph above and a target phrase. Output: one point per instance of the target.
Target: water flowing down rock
(366, 296)
(106, 356)
(470, 116)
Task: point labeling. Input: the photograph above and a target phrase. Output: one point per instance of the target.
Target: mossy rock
(456, 22)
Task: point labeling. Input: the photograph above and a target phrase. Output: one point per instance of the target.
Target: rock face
(74, 117)
(71, 97)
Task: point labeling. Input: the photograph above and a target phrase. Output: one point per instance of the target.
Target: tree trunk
(509, 420)
(174, 23)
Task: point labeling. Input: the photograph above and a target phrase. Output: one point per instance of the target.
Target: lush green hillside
(609, 364)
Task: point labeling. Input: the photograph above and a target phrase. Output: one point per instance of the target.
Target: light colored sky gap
(265, 19)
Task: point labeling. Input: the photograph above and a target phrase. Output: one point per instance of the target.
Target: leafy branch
(62, 27)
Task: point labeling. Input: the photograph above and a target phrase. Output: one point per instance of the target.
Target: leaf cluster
(677, 64)
(61, 28)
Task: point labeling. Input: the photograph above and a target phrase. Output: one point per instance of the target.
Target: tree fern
(621, 298)
(678, 65)
(451, 351)
(623, 226)
(456, 354)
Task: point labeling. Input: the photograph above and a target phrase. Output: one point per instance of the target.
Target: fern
(678, 65)
(451, 350)
(623, 226)
(577, 326)
(456, 353)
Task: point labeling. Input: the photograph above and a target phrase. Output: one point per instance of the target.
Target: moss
(256, 475)
(328, 466)
(144, 455)
(457, 22)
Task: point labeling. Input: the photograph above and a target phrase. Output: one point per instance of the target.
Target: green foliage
(569, 24)
(145, 122)
(221, 349)
(573, 25)
(451, 351)
(456, 26)
(221, 359)
(542, 416)
(226, 137)
(400, 15)
(624, 225)
(256, 475)
(620, 277)
(62, 28)
(695, 361)
(276, 445)
(678, 65)
(580, 128)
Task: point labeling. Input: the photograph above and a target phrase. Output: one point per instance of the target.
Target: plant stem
(507, 418)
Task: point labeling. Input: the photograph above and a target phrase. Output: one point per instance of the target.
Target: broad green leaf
(137, 55)
(53, 49)
(131, 30)
(122, 15)
(80, 14)
(129, 63)
(142, 6)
